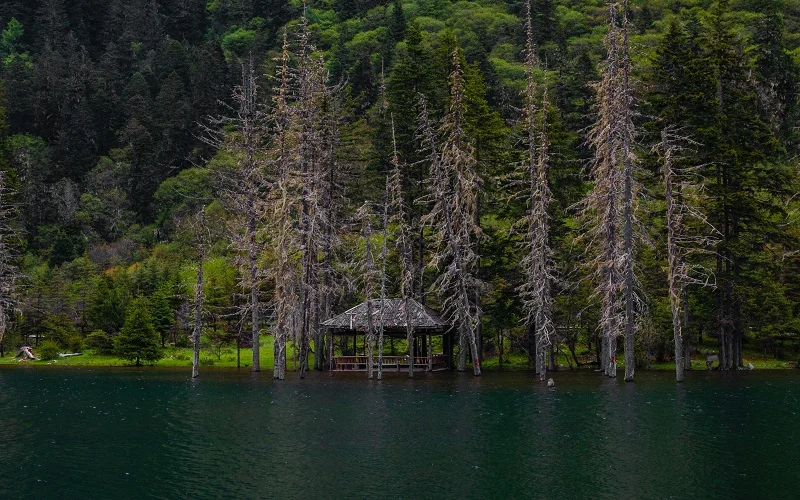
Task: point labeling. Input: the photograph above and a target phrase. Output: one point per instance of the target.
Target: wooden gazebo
(426, 323)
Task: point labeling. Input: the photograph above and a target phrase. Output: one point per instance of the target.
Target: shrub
(75, 343)
(183, 341)
(60, 330)
(47, 350)
(100, 342)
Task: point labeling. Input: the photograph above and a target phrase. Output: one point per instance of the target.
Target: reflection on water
(125, 433)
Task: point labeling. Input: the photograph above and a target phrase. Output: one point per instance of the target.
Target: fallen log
(26, 353)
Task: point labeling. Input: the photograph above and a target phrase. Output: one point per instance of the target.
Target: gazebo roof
(394, 316)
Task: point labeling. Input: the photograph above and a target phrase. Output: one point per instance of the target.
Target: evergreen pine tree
(138, 341)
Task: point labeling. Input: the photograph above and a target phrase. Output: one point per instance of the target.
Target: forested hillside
(315, 141)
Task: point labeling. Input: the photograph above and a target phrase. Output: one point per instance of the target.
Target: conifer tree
(737, 171)
(138, 341)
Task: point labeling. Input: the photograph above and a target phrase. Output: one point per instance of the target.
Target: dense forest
(551, 175)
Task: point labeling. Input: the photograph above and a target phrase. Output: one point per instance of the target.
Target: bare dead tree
(304, 208)
(627, 131)
(242, 134)
(283, 209)
(437, 182)
(688, 232)
(402, 240)
(531, 177)
(608, 210)
(9, 272)
(332, 201)
(368, 276)
(314, 111)
(456, 186)
(383, 278)
(200, 231)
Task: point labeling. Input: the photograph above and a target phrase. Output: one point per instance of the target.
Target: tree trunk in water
(627, 233)
(603, 341)
(370, 340)
(612, 361)
(254, 316)
(541, 366)
(476, 361)
(430, 352)
(279, 354)
(676, 330)
(410, 340)
(380, 352)
(330, 350)
(198, 299)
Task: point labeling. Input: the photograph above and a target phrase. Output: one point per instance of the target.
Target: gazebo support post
(430, 352)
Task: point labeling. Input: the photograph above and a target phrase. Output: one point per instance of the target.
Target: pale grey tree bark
(456, 185)
(197, 330)
(608, 211)
(9, 272)
(403, 242)
(243, 134)
(368, 272)
(688, 232)
(532, 186)
(284, 210)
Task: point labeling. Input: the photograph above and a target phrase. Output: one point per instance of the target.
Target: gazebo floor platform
(390, 363)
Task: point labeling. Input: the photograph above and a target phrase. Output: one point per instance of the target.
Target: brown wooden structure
(351, 325)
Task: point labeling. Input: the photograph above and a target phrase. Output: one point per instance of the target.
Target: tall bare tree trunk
(254, 301)
(627, 233)
(456, 185)
(682, 189)
(674, 268)
(384, 251)
(9, 271)
(364, 215)
(532, 176)
(198, 320)
(610, 206)
(198, 295)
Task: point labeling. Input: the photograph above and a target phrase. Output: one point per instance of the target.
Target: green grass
(180, 357)
(173, 356)
(760, 361)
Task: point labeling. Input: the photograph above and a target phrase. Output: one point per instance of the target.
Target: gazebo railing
(397, 363)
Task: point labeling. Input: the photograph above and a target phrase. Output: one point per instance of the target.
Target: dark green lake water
(125, 433)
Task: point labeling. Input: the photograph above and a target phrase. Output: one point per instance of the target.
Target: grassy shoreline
(182, 357)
